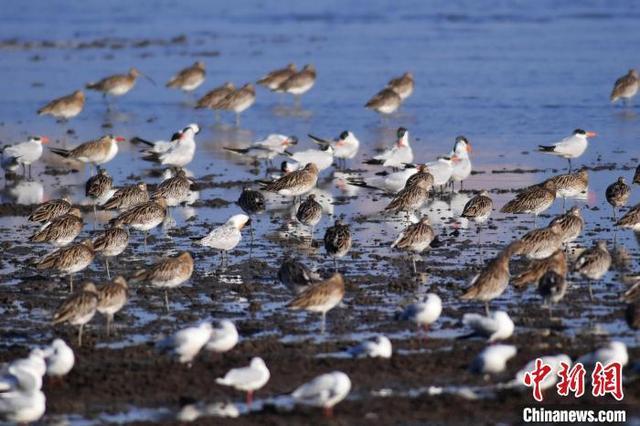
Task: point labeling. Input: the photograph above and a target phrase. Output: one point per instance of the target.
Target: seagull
(378, 347)
(324, 391)
(266, 149)
(345, 146)
(425, 312)
(226, 237)
(182, 152)
(553, 361)
(493, 359)
(247, 379)
(391, 183)
(23, 153)
(59, 358)
(461, 162)
(441, 170)
(322, 158)
(615, 351)
(496, 326)
(24, 404)
(186, 343)
(223, 338)
(570, 147)
(398, 155)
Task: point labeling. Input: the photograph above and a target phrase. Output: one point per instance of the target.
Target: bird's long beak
(148, 78)
(119, 139)
(591, 134)
(469, 149)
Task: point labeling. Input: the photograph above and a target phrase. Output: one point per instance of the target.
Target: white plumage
(186, 343)
(497, 326)
(324, 391)
(223, 338)
(493, 359)
(378, 347)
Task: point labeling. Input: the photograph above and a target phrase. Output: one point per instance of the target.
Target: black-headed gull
(570, 147)
(224, 336)
(186, 343)
(496, 326)
(324, 391)
(377, 347)
(247, 379)
(493, 359)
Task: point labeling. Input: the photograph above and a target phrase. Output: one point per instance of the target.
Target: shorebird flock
(409, 184)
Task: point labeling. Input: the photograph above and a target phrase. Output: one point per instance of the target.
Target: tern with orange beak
(570, 147)
(23, 153)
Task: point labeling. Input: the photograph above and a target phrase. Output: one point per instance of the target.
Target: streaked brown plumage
(111, 298)
(168, 272)
(116, 85)
(98, 186)
(95, 152)
(626, 86)
(300, 82)
(239, 100)
(251, 202)
(189, 78)
(320, 297)
(296, 183)
(533, 200)
(386, 101)
(69, 260)
(536, 269)
(552, 287)
(274, 79)
(78, 309)
(213, 98)
(110, 243)
(144, 216)
(491, 282)
(479, 208)
(402, 85)
(309, 212)
(631, 219)
(412, 196)
(415, 238)
(636, 176)
(422, 174)
(593, 263)
(632, 310)
(60, 231)
(571, 184)
(337, 241)
(65, 107)
(618, 194)
(571, 224)
(175, 190)
(129, 196)
(296, 276)
(50, 210)
(538, 243)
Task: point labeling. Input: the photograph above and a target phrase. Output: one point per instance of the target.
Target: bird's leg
(614, 212)
(313, 228)
(590, 293)
(324, 322)
(415, 271)
(335, 264)
(166, 299)
(109, 319)
(106, 264)
(80, 335)
(535, 220)
(569, 159)
(95, 214)
(249, 398)
(328, 412)
(71, 283)
(30, 172)
(486, 308)
(237, 119)
(145, 240)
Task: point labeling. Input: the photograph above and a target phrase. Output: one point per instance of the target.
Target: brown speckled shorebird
(423, 174)
(212, 99)
(593, 263)
(238, 101)
(309, 213)
(296, 183)
(618, 194)
(296, 276)
(402, 85)
(61, 231)
(69, 260)
(533, 200)
(337, 241)
(167, 273)
(632, 297)
(275, 78)
(143, 217)
(127, 197)
(631, 219)
(49, 210)
(571, 224)
(491, 282)
(539, 243)
(78, 309)
(416, 238)
(111, 298)
(111, 243)
(386, 101)
(174, 190)
(552, 288)
(188, 79)
(478, 209)
(571, 184)
(252, 203)
(98, 188)
(536, 269)
(64, 108)
(118, 84)
(299, 83)
(95, 152)
(320, 297)
(414, 194)
(626, 87)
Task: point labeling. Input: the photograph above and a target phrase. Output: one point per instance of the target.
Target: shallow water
(507, 76)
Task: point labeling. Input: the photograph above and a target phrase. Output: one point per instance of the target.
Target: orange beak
(120, 139)
(469, 149)
(44, 139)
(591, 134)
